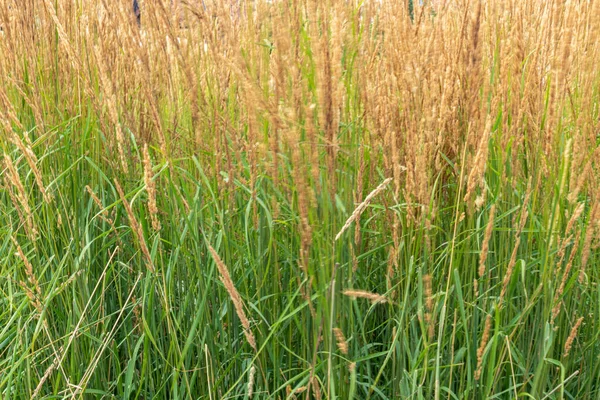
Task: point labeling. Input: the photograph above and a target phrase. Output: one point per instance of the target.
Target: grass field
(300, 199)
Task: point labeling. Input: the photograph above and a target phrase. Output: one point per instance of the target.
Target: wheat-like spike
(151, 189)
(251, 377)
(484, 340)
(363, 294)
(362, 206)
(234, 295)
(571, 338)
(341, 340)
(136, 228)
(486, 241)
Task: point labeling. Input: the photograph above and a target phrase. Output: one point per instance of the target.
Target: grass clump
(299, 199)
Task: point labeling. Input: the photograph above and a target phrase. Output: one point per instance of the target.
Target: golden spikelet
(316, 388)
(32, 161)
(587, 241)
(478, 170)
(362, 206)
(13, 178)
(363, 294)
(28, 267)
(557, 303)
(33, 292)
(486, 241)
(45, 377)
(251, 376)
(358, 198)
(96, 200)
(235, 296)
(111, 102)
(484, 341)
(574, 217)
(352, 367)
(341, 341)
(151, 189)
(429, 303)
(136, 228)
(513, 256)
(571, 338)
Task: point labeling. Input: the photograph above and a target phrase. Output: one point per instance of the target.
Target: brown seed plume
(486, 241)
(13, 179)
(484, 341)
(571, 338)
(363, 294)
(362, 206)
(513, 256)
(429, 303)
(341, 341)
(151, 189)
(136, 228)
(234, 295)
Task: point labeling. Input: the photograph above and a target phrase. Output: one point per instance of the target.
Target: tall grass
(299, 199)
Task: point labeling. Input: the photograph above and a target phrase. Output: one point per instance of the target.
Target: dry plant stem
(363, 294)
(482, 345)
(267, 124)
(235, 297)
(151, 189)
(341, 341)
(362, 206)
(513, 256)
(571, 338)
(136, 228)
(486, 241)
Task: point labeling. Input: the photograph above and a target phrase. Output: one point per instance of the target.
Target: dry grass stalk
(136, 228)
(151, 189)
(13, 178)
(358, 196)
(429, 303)
(587, 241)
(104, 215)
(574, 217)
(316, 388)
(567, 235)
(234, 295)
(45, 377)
(363, 294)
(392, 260)
(571, 338)
(352, 367)
(33, 293)
(477, 172)
(9, 114)
(557, 302)
(97, 200)
(303, 195)
(486, 241)
(581, 177)
(251, 376)
(28, 268)
(341, 341)
(111, 102)
(362, 206)
(32, 161)
(513, 256)
(484, 341)
(291, 393)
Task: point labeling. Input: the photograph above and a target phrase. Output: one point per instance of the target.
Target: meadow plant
(298, 199)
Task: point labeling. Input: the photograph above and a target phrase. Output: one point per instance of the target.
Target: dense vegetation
(300, 199)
